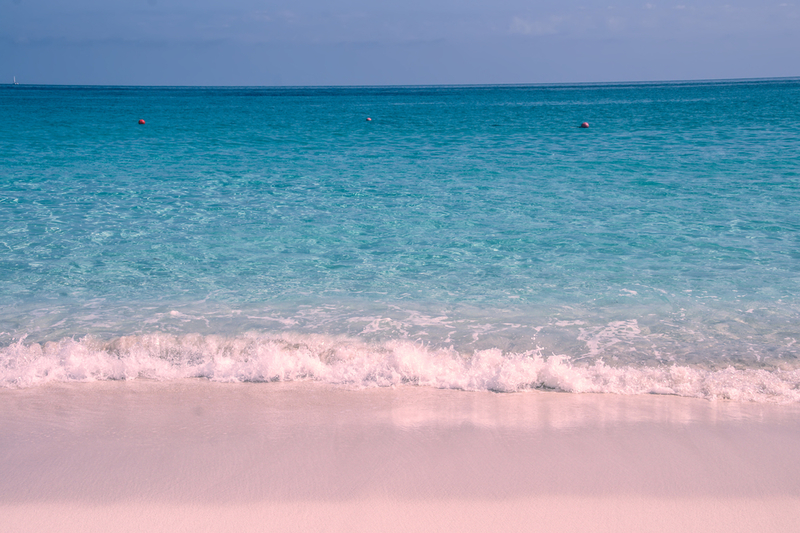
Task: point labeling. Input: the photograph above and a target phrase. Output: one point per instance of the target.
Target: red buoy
(141, 121)
(585, 125)
(369, 119)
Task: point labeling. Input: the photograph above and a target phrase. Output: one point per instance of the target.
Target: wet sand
(199, 456)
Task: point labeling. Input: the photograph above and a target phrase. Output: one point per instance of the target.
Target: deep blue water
(459, 221)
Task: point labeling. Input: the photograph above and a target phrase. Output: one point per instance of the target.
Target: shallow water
(467, 237)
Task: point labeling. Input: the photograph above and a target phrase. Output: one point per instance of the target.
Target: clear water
(468, 237)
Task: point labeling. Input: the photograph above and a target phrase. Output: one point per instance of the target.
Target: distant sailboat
(15, 81)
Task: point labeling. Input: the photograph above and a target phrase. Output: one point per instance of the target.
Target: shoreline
(351, 362)
(202, 456)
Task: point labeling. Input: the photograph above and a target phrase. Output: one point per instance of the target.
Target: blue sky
(360, 42)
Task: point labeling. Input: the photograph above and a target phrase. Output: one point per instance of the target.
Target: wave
(257, 357)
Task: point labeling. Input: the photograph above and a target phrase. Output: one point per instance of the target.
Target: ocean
(469, 238)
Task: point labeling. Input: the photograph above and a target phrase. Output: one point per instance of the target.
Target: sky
(413, 42)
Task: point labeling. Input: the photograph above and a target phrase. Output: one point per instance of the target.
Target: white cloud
(615, 23)
(535, 27)
(260, 15)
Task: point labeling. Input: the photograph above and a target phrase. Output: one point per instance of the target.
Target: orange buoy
(141, 121)
(585, 125)
(369, 119)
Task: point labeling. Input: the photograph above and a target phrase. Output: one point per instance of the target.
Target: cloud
(263, 16)
(535, 27)
(615, 23)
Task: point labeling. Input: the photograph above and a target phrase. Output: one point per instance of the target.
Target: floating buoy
(369, 119)
(141, 121)
(585, 125)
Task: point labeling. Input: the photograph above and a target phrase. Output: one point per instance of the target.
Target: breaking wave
(350, 362)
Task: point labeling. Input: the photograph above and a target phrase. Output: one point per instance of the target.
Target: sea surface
(464, 237)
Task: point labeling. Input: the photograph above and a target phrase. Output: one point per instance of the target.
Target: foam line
(350, 362)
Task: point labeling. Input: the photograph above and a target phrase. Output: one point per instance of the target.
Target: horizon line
(398, 86)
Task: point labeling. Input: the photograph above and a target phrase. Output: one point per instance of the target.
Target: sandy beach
(200, 456)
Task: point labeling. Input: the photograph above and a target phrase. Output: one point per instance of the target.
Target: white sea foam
(258, 357)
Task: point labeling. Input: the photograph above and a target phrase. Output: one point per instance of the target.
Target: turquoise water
(468, 237)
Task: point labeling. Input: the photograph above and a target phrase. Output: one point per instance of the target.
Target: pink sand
(198, 456)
